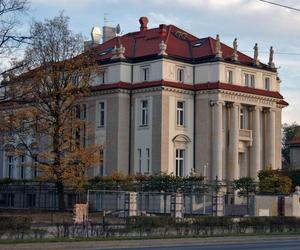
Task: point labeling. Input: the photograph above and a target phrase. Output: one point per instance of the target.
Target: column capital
(268, 109)
(233, 104)
(216, 102)
(255, 108)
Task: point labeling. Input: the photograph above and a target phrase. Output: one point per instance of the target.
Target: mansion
(168, 101)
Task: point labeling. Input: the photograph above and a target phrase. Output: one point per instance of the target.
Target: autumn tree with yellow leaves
(44, 109)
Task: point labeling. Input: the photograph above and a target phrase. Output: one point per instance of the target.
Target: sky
(250, 21)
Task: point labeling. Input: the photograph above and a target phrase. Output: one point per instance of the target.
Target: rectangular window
(180, 75)
(10, 166)
(140, 160)
(102, 77)
(144, 113)
(180, 153)
(229, 76)
(145, 74)
(252, 81)
(180, 113)
(249, 80)
(267, 83)
(148, 160)
(35, 170)
(22, 166)
(101, 162)
(242, 118)
(101, 114)
(83, 111)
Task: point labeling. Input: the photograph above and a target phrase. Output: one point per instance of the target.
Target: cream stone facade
(182, 110)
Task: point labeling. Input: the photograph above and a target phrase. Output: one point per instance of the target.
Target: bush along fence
(19, 228)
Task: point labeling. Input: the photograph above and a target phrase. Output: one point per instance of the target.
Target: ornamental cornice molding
(233, 96)
(177, 90)
(146, 90)
(109, 91)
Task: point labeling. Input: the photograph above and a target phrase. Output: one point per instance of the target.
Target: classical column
(233, 150)
(271, 139)
(217, 140)
(255, 162)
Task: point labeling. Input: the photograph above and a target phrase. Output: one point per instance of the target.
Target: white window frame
(83, 111)
(144, 118)
(249, 80)
(267, 81)
(148, 159)
(180, 75)
(103, 77)
(101, 162)
(140, 159)
(179, 162)
(22, 166)
(242, 120)
(102, 112)
(10, 166)
(180, 114)
(34, 171)
(229, 76)
(145, 73)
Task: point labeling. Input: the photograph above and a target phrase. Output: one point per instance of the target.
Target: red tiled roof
(180, 44)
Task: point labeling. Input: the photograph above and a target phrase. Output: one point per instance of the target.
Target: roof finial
(271, 55)
(118, 52)
(234, 55)
(218, 50)
(162, 48)
(255, 57)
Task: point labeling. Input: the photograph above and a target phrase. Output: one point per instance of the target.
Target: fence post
(130, 204)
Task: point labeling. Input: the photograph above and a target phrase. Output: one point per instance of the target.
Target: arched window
(180, 152)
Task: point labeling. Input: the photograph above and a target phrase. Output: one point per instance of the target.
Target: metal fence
(159, 203)
(45, 197)
(34, 196)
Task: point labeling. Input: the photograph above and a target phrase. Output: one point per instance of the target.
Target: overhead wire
(280, 5)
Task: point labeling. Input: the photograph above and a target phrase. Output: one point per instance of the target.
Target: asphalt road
(276, 242)
(277, 245)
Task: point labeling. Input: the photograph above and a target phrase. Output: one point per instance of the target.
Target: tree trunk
(61, 195)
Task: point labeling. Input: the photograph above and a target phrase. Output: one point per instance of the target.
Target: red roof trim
(196, 87)
(283, 102)
(237, 88)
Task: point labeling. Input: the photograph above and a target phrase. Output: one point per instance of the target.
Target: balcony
(245, 135)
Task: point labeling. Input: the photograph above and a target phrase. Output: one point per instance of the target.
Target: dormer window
(249, 80)
(145, 74)
(180, 75)
(267, 83)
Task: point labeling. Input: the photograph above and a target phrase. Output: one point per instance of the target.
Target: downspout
(194, 120)
(130, 123)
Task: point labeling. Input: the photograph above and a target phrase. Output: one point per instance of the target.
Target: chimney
(143, 21)
(162, 30)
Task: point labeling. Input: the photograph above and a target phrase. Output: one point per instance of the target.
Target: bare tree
(10, 11)
(45, 109)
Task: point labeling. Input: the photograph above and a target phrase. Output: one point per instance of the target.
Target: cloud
(249, 20)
